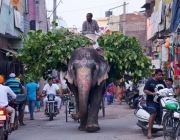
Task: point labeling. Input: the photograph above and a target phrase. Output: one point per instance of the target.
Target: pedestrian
(38, 100)
(119, 92)
(17, 88)
(110, 93)
(169, 83)
(32, 89)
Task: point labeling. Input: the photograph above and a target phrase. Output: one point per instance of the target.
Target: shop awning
(9, 50)
(146, 5)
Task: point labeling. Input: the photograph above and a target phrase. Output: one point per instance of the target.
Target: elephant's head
(85, 70)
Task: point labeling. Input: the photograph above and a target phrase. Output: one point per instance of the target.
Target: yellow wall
(157, 3)
(102, 22)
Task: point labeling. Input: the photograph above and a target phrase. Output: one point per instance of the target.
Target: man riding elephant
(90, 29)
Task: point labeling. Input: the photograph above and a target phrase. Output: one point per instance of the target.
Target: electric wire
(55, 8)
(87, 8)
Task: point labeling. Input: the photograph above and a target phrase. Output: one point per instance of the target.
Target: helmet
(1, 79)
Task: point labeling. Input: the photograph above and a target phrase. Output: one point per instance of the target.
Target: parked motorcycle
(163, 97)
(132, 95)
(51, 107)
(5, 128)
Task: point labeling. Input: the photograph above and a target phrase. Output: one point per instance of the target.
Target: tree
(43, 52)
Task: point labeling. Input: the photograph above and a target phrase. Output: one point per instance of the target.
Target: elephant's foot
(73, 117)
(82, 128)
(92, 128)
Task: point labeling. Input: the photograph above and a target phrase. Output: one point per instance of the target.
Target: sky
(74, 11)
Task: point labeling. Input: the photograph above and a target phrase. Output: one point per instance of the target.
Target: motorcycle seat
(145, 107)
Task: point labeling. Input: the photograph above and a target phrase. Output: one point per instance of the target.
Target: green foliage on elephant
(125, 55)
(47, 51)
(43, 52)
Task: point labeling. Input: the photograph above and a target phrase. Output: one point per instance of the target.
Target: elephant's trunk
(83, 83)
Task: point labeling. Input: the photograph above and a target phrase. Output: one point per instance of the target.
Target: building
(163, 30)
(135, 26)
(16, 18)
(103, 23)
(114, 23)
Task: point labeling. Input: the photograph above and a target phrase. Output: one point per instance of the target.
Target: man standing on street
(16, 87)
(32, 89)
(153, 85)
(90, 25)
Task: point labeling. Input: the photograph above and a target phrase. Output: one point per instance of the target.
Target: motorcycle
(5, 128)
(139, 101)
(163, 97)
(51, 107)
(21, 98)
(132, 95)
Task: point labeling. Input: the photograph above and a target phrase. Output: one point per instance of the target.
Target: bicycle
(170, 123)
(69, 106)
(169, 126)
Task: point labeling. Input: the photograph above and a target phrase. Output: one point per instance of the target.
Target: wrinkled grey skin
(86, 75)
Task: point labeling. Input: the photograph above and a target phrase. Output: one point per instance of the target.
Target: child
(38, 101)
(169, 83)
(109, 96)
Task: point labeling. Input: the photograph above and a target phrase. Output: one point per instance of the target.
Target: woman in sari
(119, 92)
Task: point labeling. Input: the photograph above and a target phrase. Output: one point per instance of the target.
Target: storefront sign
(156, 63)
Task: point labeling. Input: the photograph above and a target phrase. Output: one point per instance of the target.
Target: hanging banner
(17, 18)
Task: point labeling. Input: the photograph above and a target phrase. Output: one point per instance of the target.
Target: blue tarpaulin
(175, 16)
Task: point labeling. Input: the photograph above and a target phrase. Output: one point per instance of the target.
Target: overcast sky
(74, 11)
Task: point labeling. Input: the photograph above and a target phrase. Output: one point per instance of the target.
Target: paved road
(119, 124)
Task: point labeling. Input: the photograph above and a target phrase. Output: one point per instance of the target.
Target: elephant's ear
(103, 71)
(69, 75)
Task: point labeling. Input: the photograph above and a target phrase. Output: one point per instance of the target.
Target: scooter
(163, 97)
(51, 107)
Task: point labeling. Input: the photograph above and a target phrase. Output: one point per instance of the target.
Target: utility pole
(54, 12)
(124, 18)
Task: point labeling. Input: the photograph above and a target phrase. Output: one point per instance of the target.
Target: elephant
(86, 76)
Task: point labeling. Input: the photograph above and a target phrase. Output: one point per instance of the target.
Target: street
(118, 124)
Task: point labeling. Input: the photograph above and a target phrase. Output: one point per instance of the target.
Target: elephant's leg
(92, 122)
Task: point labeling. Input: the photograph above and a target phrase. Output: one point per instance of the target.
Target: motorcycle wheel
(51, 112)
(66, 111)
(6, 137)
(2, 134)
(16, 122)
(131, 105)
(144, 132)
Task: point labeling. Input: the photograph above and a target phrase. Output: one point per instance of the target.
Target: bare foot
(149, 136)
